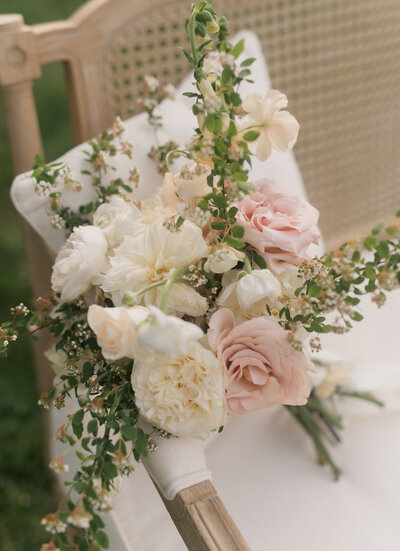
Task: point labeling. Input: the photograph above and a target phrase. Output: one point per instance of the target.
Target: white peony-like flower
(80, 263)
(278, 129)
(118, 218)
(184, 395)
(151, 257)
(222, 258)
(248, 296)
(140, 333)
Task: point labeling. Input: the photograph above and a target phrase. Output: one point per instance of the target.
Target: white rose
(80, 262)
(140, 333)
(151, 257)
(248, 296)
(184, 395)
(117, 218)
(166, 335)
(222, 258)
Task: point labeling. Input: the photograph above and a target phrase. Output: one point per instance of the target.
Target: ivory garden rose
(281, 226)
(80, 263)
(263, 368)
(184, 394)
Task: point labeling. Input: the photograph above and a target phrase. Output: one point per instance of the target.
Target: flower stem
(169, 282)
(174, 152)
(247, 264)
(192, 37)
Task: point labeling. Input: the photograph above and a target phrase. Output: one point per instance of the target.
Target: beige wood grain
(203, 521)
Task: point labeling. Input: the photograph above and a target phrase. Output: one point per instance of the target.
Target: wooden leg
(203, 520)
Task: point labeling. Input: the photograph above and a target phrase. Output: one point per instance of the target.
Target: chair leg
(203, 520)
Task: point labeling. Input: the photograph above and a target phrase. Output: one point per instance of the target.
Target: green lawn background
(25, 484)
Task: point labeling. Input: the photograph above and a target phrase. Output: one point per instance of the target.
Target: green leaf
(220, 201)
(218, 225)
(251, 135)
(92, 427)
(259, 260)
(356, 256)
(128, 432)
(102, 539)
(237, 49)
(233, 242)
(190, 95)
(370, 273)
(369, 242)
(356, 316)
(210, 123)
(237, 231)
(383, 249)
(378, 228)
(78, 417)
(232, 130)
(313, 290)
(247, 62)
(87, 371)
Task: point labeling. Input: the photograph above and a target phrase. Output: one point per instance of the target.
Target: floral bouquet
(199, 303)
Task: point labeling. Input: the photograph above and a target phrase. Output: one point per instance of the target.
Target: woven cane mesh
(339, 63)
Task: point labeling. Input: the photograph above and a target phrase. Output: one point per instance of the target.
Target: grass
(25, 483)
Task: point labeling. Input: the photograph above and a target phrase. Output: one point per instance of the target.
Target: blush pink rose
(263, 369)
(279, 225)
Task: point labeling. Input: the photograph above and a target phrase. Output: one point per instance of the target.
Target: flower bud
(212, 26)
(129, 299)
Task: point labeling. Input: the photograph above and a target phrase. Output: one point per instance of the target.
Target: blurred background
(25, 482)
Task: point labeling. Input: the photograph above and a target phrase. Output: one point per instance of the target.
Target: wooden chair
(330, 56)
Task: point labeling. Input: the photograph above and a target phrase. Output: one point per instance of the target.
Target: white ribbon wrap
(176, 464)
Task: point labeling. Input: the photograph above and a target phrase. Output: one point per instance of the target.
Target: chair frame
(198, 513)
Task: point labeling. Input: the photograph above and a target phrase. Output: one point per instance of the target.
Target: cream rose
(184, 395)
(248, 296)
(80, 263)
(115, 329)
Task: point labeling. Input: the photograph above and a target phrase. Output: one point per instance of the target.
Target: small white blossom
(151, 83)
(57, 465)
(80, 518)
(42, 188)
(169, 91)
(53, 524)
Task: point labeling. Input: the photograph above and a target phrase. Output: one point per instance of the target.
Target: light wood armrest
(203, 520)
